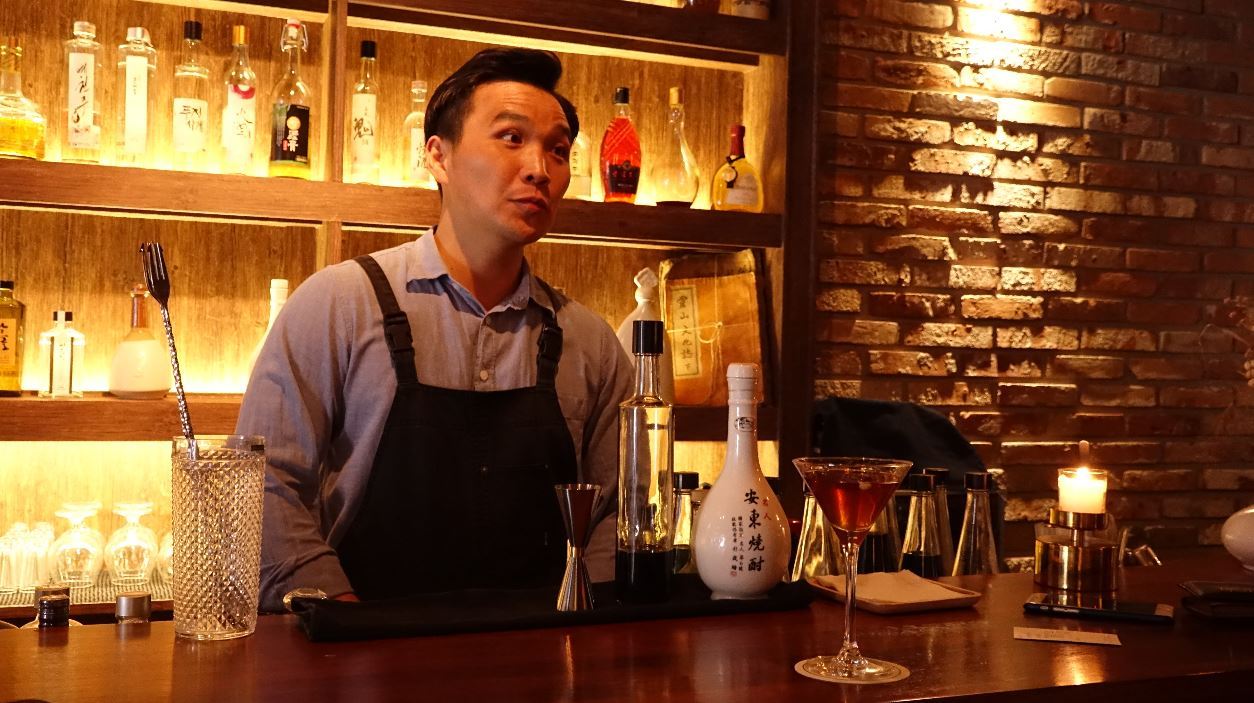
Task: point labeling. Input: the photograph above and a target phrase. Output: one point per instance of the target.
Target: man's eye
(562, 151)
(512, 137)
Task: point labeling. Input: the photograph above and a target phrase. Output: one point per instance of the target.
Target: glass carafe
(818, 551)
(132, 550)
(881, 550)
(674, 175)
(920, 550)
(78, 554)
(977, 549)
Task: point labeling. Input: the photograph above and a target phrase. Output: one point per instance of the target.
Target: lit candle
(1081, 490)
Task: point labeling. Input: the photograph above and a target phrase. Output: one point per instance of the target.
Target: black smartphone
(1106, 609)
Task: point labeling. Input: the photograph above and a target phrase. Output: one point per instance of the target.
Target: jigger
(577, 501)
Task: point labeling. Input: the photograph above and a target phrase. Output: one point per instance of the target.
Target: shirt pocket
(575, 412)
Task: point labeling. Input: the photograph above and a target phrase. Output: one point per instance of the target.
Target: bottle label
(363, 145)
(746, 424)
(418, 172)
(8, 345)
(190, 119)
(624, 177)
(744, 192)
(291, 134)
(135, 137)
(239, 124)
(686, 349)
(81, 101)
(61, 371)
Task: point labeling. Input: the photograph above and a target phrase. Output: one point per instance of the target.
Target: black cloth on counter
(486, 610)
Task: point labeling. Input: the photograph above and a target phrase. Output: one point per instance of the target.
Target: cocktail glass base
(830, 668)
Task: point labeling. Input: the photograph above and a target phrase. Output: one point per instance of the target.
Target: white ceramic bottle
(647, 308)
(741, 541)
(141, 366)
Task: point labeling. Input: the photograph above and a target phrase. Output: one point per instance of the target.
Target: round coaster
(878, 671)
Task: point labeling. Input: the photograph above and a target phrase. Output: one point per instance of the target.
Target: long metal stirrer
(158, 280)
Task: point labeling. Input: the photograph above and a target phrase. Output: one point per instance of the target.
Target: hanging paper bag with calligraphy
(710, 304)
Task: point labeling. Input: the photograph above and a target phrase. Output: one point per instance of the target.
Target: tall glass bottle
(191, 103)
(685, 483)
(22, 125)
(817, 548)
(580, 186)
(645, 554)
(81, 141)
(944, 533)
(239, 116)
(136, 76)
(620, 153)
(363, 143)
(416, 172)
(290, 124)
(674, 175)
(61, 349)
(12, 340)
(736, 185)
(977, 549)
(920, 548)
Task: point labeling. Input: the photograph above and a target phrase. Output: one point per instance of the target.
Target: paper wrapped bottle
(647, 308)
(741, 541)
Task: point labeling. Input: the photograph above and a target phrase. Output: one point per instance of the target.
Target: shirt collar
(425, 264)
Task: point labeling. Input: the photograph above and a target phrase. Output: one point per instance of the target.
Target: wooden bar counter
(954, 655)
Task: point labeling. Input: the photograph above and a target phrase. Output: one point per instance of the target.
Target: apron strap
(550, 345)
(396, 330)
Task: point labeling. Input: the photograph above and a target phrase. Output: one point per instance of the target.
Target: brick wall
(1030, 210)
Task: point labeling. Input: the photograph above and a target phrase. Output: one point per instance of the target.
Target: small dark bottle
(54, 611)
(920, 550)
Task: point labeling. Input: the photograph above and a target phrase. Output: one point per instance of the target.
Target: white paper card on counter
(1076, 636)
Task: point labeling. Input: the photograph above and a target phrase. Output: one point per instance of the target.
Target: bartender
(420, 403)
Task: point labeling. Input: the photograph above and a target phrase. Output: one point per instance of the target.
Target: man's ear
(438, 154)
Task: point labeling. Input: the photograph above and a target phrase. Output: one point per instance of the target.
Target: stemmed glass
(132, 548)
(852, 492)
(77, 555)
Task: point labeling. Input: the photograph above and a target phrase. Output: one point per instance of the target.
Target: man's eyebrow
(508, 116)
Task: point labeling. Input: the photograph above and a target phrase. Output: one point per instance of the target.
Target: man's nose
(536, 166)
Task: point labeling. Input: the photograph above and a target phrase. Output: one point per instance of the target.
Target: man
(419, 404)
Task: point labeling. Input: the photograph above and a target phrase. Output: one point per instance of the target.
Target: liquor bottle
(140, 368)
(416, 172)
(191, 103)
(82, 101)
(22, 125)
(754, 9)
(944, 533)
(736, 185)
(61, 349)
(977, 551)
(363, 144)
(137, 73)
(12, 340)
(580, 186)
(620, 153)
(920, 548)
(645, 555)
(290, 125)
(674, 175)
(239, 116)
(741, 543)
(685, 483)
(647, 308)
(278, 297)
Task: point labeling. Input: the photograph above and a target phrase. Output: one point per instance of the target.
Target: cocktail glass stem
(850, 660)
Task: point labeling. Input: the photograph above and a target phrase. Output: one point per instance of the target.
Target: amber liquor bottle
(620, 153)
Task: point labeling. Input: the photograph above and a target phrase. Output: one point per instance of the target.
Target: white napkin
(892, 587)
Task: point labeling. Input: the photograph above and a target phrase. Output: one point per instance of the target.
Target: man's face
(506, 174)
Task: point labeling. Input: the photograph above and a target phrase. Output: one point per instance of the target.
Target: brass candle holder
(1074, 553)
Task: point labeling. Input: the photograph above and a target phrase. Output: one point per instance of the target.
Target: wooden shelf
(665, 33)
(105, 189)
(100, 417)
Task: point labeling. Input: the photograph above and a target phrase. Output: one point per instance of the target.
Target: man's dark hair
(451, 101)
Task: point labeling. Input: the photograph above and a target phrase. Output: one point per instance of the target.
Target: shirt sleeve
(601, 449)
(295, 400)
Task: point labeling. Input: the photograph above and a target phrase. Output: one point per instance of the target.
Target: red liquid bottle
(620, 153)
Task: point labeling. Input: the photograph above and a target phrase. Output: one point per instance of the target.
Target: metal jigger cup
(577, 501)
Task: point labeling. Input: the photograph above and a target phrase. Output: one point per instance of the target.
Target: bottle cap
(134, 604)
(419, 86)
(939, 474)
(369, 49)
(85, 27)
(744, 378)
(239, 35)
(646, 336)
(676, 96)
(138, 34)
(622, 96)
(5, 283)
(686, 480)
(62, 316)
(920, 482)
(978, 481)
(51, 589)
(54, 611)
(278, 284)
(192, 30)
(646, 285)
(737, 130)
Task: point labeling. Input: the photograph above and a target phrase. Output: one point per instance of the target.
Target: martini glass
(852, 492)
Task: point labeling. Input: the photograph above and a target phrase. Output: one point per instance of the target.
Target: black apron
(461, 492)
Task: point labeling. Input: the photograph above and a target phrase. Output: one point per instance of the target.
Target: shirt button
(483, 375)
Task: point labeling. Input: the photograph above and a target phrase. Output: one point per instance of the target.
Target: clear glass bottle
(944, 532)
(363, 142)
(239, 115)
(736, 185)
(920, 548)
(141, 366)
(61, 349)
(22, 125)
(817, 548)
(675, 177)
(290, 124)
(685, 483)
(12, 340)
(580, 187)
(191, 103)
(620, 153)
(81, 141)
(645, 554)
(881, 548)
(977, 549)
(136, 76)
(416, 171)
